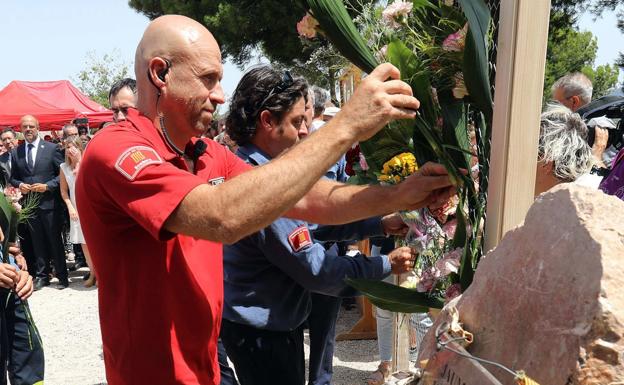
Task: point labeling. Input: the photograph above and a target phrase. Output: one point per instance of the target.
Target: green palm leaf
(395, 298)
(476, 67)
(342, 33)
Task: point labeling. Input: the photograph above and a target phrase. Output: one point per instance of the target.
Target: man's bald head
(29, 125)
(172, 37)
(178, 72)
(29, 119)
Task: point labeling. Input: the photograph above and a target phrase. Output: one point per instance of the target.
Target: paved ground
(68, 323)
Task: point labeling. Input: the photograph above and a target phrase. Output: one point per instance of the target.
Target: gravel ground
(69, 326)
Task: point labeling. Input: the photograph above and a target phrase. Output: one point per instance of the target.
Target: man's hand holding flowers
(378, 100)
(8, 276)
(394, 225)
(23, 285)
(418, 191)
(402, 260)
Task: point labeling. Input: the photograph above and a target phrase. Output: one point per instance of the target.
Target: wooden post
(366, 327)
(521, 59)
(401, 340)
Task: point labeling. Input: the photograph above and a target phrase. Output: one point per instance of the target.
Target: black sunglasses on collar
(285, 83)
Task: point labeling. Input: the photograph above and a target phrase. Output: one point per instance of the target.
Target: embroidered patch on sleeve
(300, 238)
(135, 159)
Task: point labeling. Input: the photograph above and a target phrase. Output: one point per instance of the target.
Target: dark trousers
(263, 357)
(227, 374)
(322, 324)
(21, 351)
(78, 253)
(43, 245)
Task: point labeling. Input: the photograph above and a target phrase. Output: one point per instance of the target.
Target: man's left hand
(394, 225)
(16, 252)
(39, 187)
(24, 285)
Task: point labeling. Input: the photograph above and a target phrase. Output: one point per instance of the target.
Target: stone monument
(549, 299)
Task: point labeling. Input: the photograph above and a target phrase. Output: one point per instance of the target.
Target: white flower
(396, 11)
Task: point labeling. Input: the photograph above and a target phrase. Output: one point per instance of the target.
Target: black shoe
(86, 276)
(40, 283)
(63, 283)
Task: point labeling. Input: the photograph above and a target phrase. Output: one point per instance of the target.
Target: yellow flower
(398, 168)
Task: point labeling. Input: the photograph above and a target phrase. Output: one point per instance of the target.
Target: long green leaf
(413, 73)
(342, 33)
(466, 267)
(476, 68)
(455, 133)
(395, 298)
(8, 223)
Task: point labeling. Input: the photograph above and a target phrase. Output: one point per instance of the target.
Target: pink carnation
(427, 280)
(307, 26)
(363, 164)
(452, 291)
(396, 11)
(13, 194)
(449, 262)
(456, 42)
(381, 54)
(450, 227)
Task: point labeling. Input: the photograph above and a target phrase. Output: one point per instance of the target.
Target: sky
(50, 39)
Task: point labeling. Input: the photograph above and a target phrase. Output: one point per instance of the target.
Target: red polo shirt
(160, 294)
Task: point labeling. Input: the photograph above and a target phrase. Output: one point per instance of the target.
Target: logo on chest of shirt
(135, 159)
(300, 238)
(216, 181)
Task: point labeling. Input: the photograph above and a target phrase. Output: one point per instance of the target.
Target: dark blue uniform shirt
(267, 280)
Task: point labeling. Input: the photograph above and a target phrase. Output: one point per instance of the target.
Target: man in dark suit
(9, 141)
(35, 169)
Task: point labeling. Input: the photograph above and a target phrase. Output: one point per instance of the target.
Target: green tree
(564, 14)
(572, 51)
(99, 74)
(242, 26)
(245, 27)
(603, 78)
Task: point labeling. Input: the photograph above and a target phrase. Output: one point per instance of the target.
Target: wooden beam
(521, 59)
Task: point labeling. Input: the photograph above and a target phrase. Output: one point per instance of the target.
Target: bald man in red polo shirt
(157, 204)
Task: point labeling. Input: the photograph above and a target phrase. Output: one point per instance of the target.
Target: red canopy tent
(53, 103)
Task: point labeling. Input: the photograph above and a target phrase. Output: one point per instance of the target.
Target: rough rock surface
(549, 299)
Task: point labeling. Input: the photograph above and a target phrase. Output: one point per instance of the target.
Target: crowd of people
(215, 238)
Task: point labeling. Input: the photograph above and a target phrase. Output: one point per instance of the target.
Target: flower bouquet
(15, 209)
(442, 52)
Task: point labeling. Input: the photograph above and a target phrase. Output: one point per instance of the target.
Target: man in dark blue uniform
(270, 275)
(21, 350)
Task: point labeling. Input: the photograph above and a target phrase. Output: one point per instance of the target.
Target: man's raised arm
(253, 200)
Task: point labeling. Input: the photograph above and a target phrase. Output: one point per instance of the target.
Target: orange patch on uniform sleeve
(135, 159)
(300, 238)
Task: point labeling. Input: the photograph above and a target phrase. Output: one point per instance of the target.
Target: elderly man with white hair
(573, 90)
(563, 154)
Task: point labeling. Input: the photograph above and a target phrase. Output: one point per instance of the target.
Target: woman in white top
(68, 172)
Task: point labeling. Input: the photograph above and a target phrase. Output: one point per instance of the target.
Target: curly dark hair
(262, 88)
